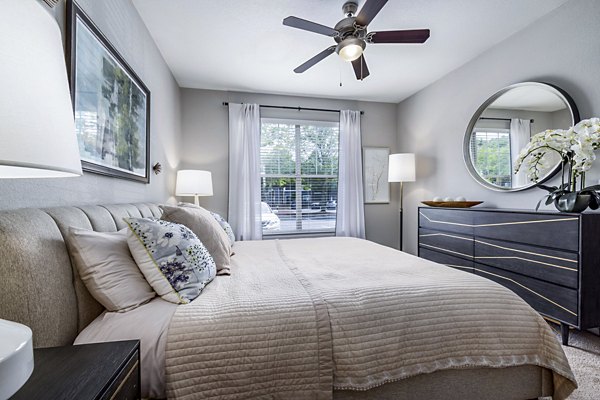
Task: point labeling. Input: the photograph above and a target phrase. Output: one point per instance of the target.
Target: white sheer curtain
(350, 211)
(520, 133)
(244, 171)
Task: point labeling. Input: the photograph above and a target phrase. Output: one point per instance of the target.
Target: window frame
(298, 176)
(498, 132)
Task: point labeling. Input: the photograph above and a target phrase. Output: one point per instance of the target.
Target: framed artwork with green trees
(110, 102)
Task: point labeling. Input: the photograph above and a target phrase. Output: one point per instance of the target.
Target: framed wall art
(111, 103)
(375, 175)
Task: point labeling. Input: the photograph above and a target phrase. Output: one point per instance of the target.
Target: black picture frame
(117, 144)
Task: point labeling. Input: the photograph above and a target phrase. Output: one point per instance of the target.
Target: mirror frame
(564, 96)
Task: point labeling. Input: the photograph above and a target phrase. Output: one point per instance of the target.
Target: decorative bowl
(452, 204)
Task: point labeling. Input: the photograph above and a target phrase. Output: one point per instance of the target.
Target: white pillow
(107, 269)
(174, 261)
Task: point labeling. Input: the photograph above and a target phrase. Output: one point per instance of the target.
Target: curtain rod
(503, 119)
(225, 103)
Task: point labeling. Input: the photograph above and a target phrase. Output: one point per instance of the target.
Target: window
(299, 176)
(490, 151)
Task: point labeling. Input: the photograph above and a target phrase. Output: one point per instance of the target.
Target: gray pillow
(171, 257)
(208, 230)
(107, 269)
(222, 221)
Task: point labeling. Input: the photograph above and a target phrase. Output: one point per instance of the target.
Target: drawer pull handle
(445, 235)
(458, 266)
(539, 221)
(526, 288)
(124, 380)
(525, 252)
(524, 259)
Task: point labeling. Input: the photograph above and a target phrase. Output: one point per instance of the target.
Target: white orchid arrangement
(575, 146)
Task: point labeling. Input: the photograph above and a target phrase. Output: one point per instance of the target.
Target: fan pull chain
(340, 71)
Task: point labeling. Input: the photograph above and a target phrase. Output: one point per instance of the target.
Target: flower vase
(572, 202)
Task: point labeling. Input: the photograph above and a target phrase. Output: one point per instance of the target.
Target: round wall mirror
(503, 125)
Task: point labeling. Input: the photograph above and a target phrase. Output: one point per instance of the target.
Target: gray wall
(121, 24)
(205, 134)
(561, 48)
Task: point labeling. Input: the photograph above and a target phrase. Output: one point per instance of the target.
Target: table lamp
(37, 136)
(192, 182)
(401, 169)
(37, 128)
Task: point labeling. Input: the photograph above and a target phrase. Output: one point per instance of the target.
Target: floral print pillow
(172, 259)
(225, 225)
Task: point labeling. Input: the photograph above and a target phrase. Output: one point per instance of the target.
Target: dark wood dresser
(91, 371)
(550, 259)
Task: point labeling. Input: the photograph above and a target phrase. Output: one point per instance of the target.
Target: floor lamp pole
(401, 195)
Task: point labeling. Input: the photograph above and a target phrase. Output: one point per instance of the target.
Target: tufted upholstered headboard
(38, 285)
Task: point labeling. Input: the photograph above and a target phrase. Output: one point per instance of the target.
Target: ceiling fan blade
(319, 57)
(369, 11)
(310, 26)
(407, 36)
(360, 68)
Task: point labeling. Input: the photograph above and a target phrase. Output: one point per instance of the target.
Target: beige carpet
(583, 353)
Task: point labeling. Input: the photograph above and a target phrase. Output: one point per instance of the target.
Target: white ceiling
(241, 45)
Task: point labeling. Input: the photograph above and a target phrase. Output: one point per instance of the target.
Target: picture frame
(111, 104)
(375, 175)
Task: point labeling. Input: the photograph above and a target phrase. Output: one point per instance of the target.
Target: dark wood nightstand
(91, 371)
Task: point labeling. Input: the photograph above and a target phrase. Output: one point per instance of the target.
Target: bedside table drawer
(549, 265)
(126, 385)
(549, 299)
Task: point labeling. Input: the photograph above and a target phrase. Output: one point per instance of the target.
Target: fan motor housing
(349, 8)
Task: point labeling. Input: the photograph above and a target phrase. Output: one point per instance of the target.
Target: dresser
(550, 259)
(108, 370)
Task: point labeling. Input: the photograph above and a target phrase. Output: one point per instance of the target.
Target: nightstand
(91, 371)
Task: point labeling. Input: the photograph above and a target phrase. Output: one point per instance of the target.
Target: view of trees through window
(490, 151)
(299, 176)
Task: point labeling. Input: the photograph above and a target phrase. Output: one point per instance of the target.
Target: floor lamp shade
(401, 167)
(192, 182)
(37, 129)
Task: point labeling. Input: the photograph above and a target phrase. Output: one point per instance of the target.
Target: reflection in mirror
(504, 124)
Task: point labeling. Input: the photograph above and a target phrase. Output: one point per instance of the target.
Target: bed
(321, 318)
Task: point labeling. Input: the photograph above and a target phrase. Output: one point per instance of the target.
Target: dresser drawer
(446, 259)
(549, 265)
(548, 230)
(446, 220)
(548, 299)
(451, 243)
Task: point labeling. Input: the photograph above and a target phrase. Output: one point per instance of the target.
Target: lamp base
(196, 202)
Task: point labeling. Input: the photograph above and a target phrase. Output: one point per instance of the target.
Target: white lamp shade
(37, 129)
(401, 167)
(191, 182)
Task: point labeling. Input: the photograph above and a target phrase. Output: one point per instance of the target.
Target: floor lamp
(401, 169)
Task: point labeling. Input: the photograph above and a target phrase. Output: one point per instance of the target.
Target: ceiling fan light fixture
(350, 48)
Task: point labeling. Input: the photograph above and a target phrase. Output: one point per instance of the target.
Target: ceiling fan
(352, 37)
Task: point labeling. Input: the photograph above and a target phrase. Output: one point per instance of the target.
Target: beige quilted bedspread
(298, 318)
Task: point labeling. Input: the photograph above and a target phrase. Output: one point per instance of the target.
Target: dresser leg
(564, 332)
